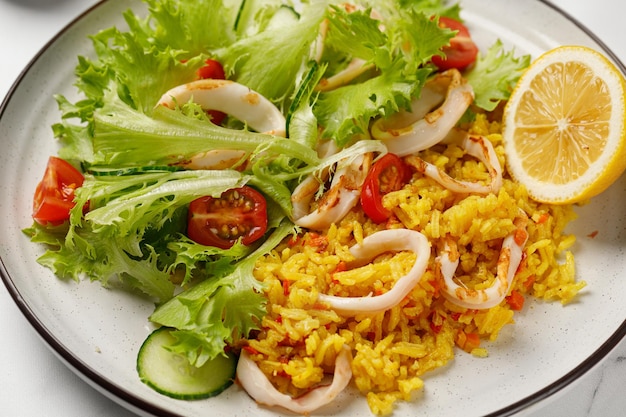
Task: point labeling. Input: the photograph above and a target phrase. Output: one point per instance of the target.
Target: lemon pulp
(564, 126)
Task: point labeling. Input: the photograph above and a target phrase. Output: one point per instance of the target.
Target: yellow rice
(392, 351)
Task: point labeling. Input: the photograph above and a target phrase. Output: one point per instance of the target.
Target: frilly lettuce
(207, 314)
(495, 74)
(398, 54)
(248, 61)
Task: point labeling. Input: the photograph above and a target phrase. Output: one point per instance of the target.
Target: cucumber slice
(255, 16)
(119, 172)
(284, 16)
(305, 89)
(171, 374)
(239, 20)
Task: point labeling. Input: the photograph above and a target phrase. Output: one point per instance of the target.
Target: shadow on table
(37, 4)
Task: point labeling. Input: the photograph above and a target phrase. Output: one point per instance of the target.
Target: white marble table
(33, 382)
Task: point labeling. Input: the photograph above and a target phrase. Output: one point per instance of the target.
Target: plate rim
(136, 404)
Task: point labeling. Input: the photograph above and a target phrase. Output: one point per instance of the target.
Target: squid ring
(256, 384)
(372, 246)
(476, 146)
(231, 98)
(510, 258)
(407, 133)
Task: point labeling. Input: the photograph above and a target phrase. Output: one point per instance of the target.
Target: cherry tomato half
(462, 50)
(213, 69)
(54, 195)
(237, 213)
(388, 174)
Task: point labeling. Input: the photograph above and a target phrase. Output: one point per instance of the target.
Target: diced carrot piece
(250, 350)
(436, 321)
(294, 240)
(520, 236)
(318, 241)
(528, 284)
(472, 342)
(515, 300)
(436, 287)
(467, 341)
(341, 266)
(461, 338)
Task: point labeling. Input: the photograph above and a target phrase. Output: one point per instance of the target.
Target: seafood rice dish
(393, 348)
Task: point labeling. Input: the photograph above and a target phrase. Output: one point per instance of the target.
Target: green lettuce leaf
(195, 27)
(204, 315)
(432, 7)
(129, 235)
(134, 202)
(246, 60)
(495, 74)
(399, 53)
(126, 137)
(102, 257)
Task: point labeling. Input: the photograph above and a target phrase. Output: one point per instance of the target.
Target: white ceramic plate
(97, 332)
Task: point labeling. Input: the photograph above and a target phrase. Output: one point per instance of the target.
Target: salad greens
(399, 55)
(128, 225)
(207, 313)
(495, 75)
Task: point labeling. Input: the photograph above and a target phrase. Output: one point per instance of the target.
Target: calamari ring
(509, 260)
(406, 133)
(256, 384)
(372, 246)
(477, 146)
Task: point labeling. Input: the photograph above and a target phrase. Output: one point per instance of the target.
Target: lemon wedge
(563, 127)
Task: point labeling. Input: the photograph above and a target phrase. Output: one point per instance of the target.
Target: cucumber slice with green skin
(255, 16)
(304, 91)
(171, 374)
(284, 16)
(119, 172)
